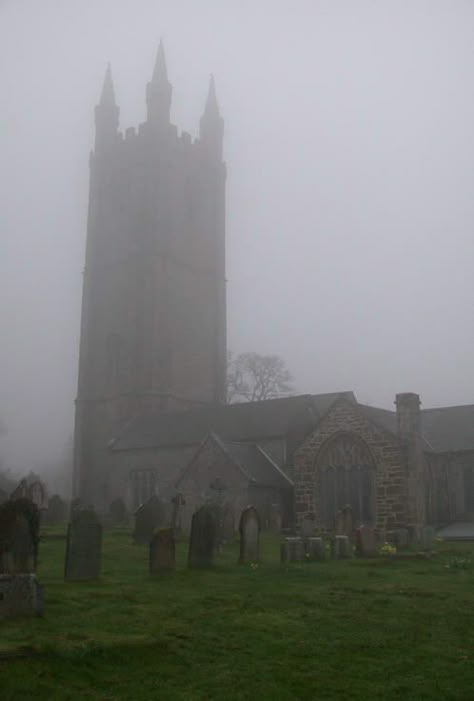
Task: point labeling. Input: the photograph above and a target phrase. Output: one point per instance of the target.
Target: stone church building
(151, 416)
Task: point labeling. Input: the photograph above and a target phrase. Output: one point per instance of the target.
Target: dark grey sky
(350, 150)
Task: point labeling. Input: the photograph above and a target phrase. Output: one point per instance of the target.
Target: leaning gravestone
(162, 552)
(83, 546)
(202, 541)
(19, 536)
(20, 595)
(365, 542)
(341, 547)
(314, 548)
(292, 549)
(249, 529)
(148, 517)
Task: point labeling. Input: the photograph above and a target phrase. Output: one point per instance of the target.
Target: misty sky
(350, 149)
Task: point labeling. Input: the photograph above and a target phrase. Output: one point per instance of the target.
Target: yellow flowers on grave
(387, 549)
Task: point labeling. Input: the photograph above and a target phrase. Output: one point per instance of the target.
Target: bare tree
(252, 377)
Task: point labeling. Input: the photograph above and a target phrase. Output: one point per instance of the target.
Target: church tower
(153, 328)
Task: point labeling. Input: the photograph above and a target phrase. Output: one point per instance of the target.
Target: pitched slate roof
(249, 421)
(257, 464)
(444, 429)
(250, 458)
(449, 428)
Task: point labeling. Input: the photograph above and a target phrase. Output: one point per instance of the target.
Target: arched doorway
(346, 475)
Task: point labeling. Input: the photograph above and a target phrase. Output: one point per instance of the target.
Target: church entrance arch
(346, 473)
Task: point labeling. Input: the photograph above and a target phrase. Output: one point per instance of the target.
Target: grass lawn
(355, 630)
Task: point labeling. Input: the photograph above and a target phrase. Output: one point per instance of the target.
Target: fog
(349, 140)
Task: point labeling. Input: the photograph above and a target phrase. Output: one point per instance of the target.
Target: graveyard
(385, 627)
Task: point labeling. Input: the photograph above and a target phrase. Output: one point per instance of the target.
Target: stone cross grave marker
(178, 502)
(148, 517)
(365, 542)
(83, 546)
(249, 530)
(162, 552)
(19, 536)
(202, 541)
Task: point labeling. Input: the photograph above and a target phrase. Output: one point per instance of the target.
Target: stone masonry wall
(389, 457)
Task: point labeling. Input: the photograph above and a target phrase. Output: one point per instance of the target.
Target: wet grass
(360, 629)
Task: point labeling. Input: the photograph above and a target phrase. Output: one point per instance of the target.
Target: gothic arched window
(346, 476)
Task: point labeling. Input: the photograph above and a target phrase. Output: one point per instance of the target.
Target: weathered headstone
(202, 541)
(249, 529)
(347, 521)
(57, 510)
(83, 546)
(398, 537)
(148, 517)
(307, 526)
(20, 595)
(365, 542)
(315, 548)
(427, 537)
(292, 549)
(19, 536)
(341, 547)
(162, 552)
(339, 523)
(118, 512)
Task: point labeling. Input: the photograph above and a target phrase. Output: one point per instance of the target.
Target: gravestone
(118, 512)
(162, 551)
(19, 536)
(341, 547)
(307, 526)
(427, 537)
(148, 517)
(347, 521)
(339, 523)
(202, 541)
(365, 542)
(249, 529)
(398, 537)
(57, 510)
(20, 595)
(83, 546)
(314, 548)
(292, 549)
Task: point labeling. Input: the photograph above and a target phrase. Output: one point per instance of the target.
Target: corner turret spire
(160, 74)
(212, 124)
(106, 114)
(158, 92)
(108, 94)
